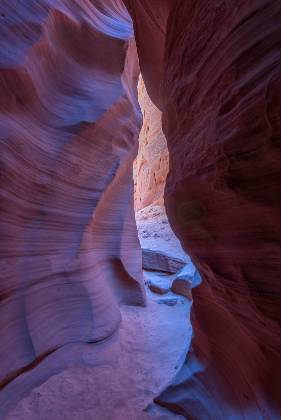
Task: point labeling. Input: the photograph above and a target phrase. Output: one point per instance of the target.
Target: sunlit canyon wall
(152, 163)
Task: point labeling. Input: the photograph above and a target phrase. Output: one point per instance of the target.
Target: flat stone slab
(160, 261)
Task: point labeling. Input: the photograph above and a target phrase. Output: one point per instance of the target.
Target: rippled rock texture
(69, 127)
(69, 134)
(221, 118)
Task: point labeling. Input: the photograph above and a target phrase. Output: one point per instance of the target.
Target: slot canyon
(140, 212)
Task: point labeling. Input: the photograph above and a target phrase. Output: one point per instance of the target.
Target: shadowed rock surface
(221, 101)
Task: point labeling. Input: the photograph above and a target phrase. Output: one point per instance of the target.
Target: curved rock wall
(221, 118)
(69, 123)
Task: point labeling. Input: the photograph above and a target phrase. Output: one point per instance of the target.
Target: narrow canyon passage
(153, 340)
(88, 278)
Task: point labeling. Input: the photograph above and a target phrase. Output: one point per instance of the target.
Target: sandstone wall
(69, 121)
(221, 107)
(152, 162)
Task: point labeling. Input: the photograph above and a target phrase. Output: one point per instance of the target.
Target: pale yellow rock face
(152, 163)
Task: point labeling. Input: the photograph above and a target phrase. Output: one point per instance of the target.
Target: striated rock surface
(221, 117)
(118, 385)
(69, 124)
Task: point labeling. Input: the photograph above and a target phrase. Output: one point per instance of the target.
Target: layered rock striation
(69, 123)
(221, 107)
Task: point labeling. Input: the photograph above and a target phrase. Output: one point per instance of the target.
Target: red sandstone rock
(69, 121)
(221, 119)
(182, 287)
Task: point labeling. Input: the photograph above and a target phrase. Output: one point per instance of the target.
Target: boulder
(182, 287)
(158, 288)
(190, 275)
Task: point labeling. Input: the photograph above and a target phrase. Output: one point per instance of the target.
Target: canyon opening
(140, 216)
